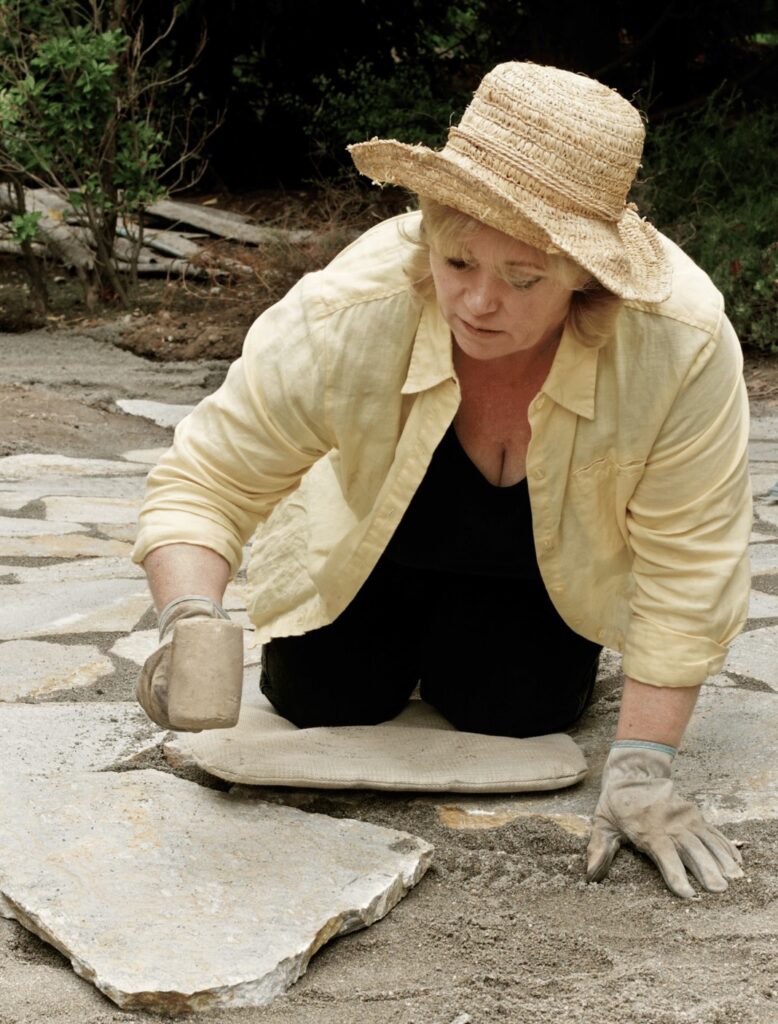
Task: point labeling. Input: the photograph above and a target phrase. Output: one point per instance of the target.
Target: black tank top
(458, 522)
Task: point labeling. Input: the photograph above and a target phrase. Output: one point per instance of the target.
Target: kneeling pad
(419, 750)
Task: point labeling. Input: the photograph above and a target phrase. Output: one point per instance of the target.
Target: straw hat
(548, 157)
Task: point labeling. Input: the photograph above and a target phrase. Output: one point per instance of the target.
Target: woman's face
(499, 300)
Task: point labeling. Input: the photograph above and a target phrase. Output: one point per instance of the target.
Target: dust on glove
(638, 804)
(193, 681)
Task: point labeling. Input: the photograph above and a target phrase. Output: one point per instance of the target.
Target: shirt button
(601, 635)
(548, 544)
(539, 474)
(540, 401)
(558, 588)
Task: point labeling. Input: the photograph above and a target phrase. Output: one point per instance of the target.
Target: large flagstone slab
(68, 545)
(48, 739)
(92, 510)
(78, 606)
(172, 897)
(31, 668)
(161, 413)
(755, 654)
(28, 467)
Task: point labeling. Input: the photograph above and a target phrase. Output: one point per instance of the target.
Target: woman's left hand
(638, 803)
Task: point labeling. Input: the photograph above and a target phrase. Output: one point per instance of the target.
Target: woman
(486, 440)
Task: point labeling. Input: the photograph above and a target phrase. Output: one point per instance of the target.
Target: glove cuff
(664, 748)
(173, 611)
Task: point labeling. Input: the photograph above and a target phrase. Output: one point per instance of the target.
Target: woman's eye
(523, 283)
(456, 264)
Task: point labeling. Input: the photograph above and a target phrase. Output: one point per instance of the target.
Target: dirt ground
(503, 927)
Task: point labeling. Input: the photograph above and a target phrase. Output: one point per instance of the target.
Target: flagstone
(71, 545)
(172, 897)
(763, 450)
(769, 514)
(236, 596)
(755, 654)
(763, 606)
(11, 501)
(162, 413)
(92, 510)
(15, 494)
(762, 483)
(31, 668)
(90, 736)
(242, 618)
(729, 788)
(78, 606)
(78, 569)
(764, 428)
(13, 527)
(720, 679)
(118, 531)
(30, 466)
(760, 534)
(137, 646)
(722, 763)
(764, 558)
(148, 456)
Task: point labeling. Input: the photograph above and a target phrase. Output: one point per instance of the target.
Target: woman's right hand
(193, 681)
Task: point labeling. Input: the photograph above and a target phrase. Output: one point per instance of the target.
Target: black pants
(493, 656)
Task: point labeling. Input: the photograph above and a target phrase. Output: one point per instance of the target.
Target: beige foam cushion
(418, 750)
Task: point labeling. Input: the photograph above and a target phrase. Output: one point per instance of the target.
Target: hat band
(526, 172)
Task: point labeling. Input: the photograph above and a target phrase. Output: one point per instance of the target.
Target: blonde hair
(593, 309)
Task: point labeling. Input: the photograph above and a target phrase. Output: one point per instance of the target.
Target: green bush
(708, 181)
(78, 86)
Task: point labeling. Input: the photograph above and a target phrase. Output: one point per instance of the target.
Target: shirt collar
(572, 380)
(431, 356)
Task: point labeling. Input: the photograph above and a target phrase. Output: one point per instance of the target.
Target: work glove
(638, 804)
(193, 680)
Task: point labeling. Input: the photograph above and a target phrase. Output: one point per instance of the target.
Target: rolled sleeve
(689, 521)
(247, 446)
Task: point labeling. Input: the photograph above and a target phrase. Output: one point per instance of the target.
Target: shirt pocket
(598, 497)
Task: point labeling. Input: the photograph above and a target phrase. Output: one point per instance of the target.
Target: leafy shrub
(77, 91)
(709, 183)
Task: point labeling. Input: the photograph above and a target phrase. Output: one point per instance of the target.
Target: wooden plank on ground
(59, 237)
(224, 223)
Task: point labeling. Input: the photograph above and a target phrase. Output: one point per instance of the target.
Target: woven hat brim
(626, 256)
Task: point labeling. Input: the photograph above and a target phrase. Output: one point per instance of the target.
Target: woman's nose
(481, 297)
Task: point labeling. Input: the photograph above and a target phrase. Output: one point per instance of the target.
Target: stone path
(154, 914)
(76, 624)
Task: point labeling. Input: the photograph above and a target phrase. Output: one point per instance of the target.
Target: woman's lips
(482, 331)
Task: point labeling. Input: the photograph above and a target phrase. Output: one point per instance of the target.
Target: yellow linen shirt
(324, 428)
